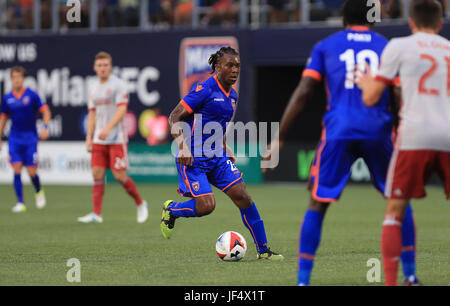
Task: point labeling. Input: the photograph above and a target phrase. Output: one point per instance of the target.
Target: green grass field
(35, 246)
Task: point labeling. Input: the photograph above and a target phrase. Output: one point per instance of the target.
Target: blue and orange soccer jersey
(351, 130)
(210, 107)
(22, 108)
(334, 60)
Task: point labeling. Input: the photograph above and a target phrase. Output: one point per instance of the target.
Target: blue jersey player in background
(204, 159)
(350, 130)
(22, 106)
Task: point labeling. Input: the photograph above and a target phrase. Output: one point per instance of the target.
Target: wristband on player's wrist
(46, 126)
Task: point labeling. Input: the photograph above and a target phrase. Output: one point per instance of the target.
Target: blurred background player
(423, 62)
(199, 164)
(350, 130)
(107, 138)
(22, 105)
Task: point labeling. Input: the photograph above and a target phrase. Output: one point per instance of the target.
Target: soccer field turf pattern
(35, 246)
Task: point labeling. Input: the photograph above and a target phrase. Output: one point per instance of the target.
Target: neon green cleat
(167, 220)
(40, 199)
(270, 255)
(19, 208)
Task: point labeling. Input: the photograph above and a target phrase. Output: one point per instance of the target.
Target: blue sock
(18, 187)
(309, 242)
(408, 244)
(252, 221)
(183, 209)
(36, 183)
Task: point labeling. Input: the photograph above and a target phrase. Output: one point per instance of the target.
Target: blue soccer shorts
(331, 167)
(196, 180)
(26, 153)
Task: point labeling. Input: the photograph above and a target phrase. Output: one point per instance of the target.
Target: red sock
(131, 189)
(97, 196)
(391, 248)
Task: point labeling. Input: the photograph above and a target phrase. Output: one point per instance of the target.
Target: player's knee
(243, 200)
(205, 206)
(120, 176)
(318, 206)
(98, 174)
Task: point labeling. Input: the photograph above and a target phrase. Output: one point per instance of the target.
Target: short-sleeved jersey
(22, 108)
(423, 63)
(211, 109)
(334, 60)
(104, 99)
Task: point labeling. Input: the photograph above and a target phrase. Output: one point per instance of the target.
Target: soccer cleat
(40, 199)
(91, 218)
(412, 281)
(142, 212)
(19, 208)
(270, 255)
(167, 220)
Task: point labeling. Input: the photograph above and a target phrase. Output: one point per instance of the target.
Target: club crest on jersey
(196, 186)
(233, 103)
(193, 60)
(26, 100)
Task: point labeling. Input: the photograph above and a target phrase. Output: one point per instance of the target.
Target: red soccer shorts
(410, 170)
(113, 156)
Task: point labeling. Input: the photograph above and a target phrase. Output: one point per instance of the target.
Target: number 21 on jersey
(423, 89)
(359, 59)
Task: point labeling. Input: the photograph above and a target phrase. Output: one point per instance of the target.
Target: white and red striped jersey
(104, 98)
(422, 61)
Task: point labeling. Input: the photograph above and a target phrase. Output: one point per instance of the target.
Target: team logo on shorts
(196, 186)
(193, 60)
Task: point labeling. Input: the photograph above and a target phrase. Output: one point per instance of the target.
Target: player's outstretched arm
(371, 88)
(3, 119)
(297, 102)
(90, 129)
(176, 130)
(46, 117)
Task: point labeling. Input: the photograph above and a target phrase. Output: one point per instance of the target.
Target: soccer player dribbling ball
(107, 138)
(350, 131)
(422, 61)
(21, 105)
(200, 165)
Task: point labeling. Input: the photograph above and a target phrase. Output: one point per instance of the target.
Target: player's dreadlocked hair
(215, 57)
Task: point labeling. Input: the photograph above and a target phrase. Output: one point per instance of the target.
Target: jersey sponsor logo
(219, 99)
(99, 102)
(193, 60)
